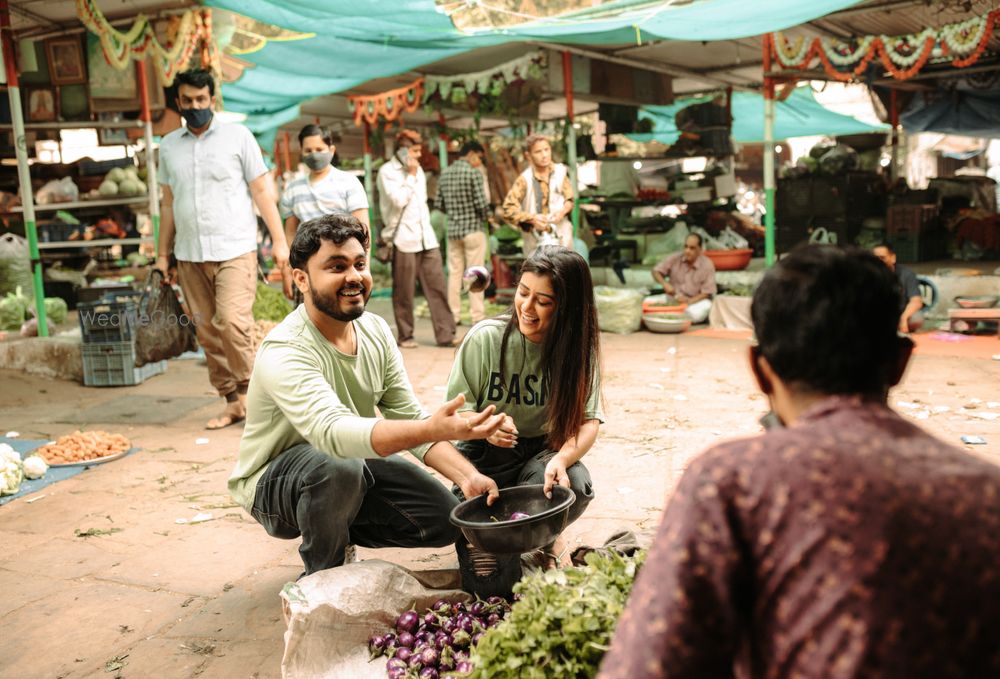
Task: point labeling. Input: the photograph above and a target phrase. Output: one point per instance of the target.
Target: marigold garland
(389, 105)
(902, 56)
(140, 41)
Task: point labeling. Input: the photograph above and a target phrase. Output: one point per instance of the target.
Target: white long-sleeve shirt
(402, 199)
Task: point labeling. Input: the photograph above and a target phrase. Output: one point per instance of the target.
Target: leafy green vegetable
(563, 623)
(55, 309)
(270, 304)
(13, 310)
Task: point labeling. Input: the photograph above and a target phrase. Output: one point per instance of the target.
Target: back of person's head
(312, 130)
(826, 320)
(611, 147)
(407, 138)
(470, 146)
(196, 78)
(336, 228)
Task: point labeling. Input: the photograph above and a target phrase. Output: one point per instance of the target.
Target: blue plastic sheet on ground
(52, 475)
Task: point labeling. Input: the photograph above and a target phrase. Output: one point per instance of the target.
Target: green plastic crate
(112, 364)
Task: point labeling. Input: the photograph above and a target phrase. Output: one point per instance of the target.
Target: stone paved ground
(162, 599)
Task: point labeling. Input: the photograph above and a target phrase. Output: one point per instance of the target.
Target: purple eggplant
(429, 656)
(403, 653)
(431, 619)
(492, 620)
(405, 640)
(407, 622)
(428, 673)
(396, 663)
(478, 608)
(442, 606)
(464, 667)
(477, 637)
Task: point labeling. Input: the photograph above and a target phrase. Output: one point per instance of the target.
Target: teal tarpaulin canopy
(800, 115)
(342, 44)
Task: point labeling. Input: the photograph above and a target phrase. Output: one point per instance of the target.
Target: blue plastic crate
(112, 364)
(108, 320)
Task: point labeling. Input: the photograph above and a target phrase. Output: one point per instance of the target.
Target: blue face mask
(197, 117)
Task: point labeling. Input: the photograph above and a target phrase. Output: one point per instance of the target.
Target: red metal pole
(288, 152)
(567, 65)
(143, 91)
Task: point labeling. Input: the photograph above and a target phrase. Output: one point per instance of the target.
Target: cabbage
(108, 188)
(55, 309)
(13, 310)
(130, 186)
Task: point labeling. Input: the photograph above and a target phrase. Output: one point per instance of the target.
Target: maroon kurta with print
(852, 544)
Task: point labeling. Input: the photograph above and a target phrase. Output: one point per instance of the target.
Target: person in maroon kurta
(848, 543)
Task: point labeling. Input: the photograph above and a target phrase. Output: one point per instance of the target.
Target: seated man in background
(691, 278)
(911, 318)
(849, 544)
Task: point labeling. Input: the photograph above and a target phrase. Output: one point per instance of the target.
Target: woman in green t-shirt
(540, 366)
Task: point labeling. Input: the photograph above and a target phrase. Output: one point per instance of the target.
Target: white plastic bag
(708, 241)
(823, 237)
(58, 191)
(331, 614)
(674, 240)
(730, 240)
(619, 310)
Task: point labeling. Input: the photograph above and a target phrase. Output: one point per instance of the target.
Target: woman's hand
(506, 435)
(555, 473)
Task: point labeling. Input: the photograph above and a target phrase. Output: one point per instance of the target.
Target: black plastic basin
(491, 530)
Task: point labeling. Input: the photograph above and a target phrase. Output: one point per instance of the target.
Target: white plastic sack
(619, 310)
(708, 241)
(730, 240)
(330, 615)
(58, 191)
(823, 237)
(674, 240)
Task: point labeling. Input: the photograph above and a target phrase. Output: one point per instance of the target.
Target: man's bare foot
(235, 412)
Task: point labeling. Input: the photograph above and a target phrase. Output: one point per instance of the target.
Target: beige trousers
(220, 296)
(469, 251)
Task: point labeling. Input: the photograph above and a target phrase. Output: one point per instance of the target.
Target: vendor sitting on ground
(911, 317)
(540, 368)
(691, 278)
(850, 543)
(316, 458)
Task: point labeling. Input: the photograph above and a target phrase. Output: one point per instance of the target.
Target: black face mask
(197, 117)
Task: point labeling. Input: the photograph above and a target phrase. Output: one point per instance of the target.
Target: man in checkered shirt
(461, 196)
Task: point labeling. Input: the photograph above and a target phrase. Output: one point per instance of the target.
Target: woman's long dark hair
(571, 350)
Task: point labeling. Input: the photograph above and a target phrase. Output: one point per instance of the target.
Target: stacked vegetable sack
(560, 625)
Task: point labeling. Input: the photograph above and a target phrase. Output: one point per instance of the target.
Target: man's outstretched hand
(447, 425)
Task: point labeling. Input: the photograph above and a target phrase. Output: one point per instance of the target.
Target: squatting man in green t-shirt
(316, 459)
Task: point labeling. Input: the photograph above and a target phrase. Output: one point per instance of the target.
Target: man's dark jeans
(333, 502)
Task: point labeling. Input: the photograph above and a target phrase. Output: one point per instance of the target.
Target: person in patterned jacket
(847, 543)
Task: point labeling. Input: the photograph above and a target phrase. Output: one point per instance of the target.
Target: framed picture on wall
(109, 136)
(105, 81)
(65, 56)
(42, 104)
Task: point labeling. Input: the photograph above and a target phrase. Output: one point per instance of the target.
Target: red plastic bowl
(730, 260)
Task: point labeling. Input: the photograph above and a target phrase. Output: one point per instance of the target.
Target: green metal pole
(153, 187)
(23, 174)
(769, 253)
(769, 180)
(369, 184)
(443, 153)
